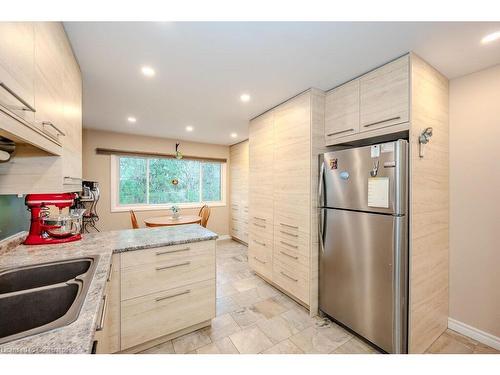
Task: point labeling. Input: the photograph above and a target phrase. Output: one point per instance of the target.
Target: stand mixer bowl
(61, 226)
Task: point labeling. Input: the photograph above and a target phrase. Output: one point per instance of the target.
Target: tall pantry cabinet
(283, 147)
(238, 167)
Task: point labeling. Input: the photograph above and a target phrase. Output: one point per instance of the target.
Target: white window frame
(115, 187)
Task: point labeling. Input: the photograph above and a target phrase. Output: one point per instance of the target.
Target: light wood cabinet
(17, 68)
(384, 95)
(108, 336)
(158, 294)
(260, 194)
(239, 173)
(281, 244)
(18, 107)
(374, 104)
(159, 314)
(342, 111)
(54, 87)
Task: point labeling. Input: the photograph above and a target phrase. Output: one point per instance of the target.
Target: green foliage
(133, 185)
(211, 189)
(197, 181)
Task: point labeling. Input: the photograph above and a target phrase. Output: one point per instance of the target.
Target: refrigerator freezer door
(370, 178)
(362, 264)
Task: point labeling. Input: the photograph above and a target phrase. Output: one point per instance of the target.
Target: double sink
(41, 297)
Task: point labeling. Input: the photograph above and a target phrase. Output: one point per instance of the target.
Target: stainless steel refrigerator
(363, 199)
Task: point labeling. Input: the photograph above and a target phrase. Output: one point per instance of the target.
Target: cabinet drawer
(291, 235)
(292, 222)
(159, 314)
(261, 225)
(293, 279)
(260, 259)
(183, 269)
(164, 253)
(294, 246)
(292, 257)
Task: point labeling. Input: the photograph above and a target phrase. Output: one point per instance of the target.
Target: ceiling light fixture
(148, 71)
(234, 135)
(131, 119)
(491, 37)
(245, 98)
(189, 128)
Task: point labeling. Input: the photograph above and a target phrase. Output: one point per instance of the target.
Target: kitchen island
(145, 262)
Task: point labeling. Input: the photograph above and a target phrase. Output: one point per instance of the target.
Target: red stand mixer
(46, 229)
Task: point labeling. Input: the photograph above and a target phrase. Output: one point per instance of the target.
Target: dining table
(165, 221)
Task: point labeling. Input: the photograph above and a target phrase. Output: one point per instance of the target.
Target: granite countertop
(78, 336)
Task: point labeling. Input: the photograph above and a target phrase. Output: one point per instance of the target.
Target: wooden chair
(201, 209)
(204, 214)
(133, 219)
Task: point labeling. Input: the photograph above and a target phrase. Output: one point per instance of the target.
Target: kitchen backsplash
(14, 217)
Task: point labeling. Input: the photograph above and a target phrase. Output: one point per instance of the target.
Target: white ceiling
(202, 68)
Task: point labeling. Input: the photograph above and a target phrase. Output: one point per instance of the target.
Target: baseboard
(474, 333)
(224, 237)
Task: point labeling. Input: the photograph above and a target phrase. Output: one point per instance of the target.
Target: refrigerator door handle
(321, 226)
(320, 184)
(321, 211)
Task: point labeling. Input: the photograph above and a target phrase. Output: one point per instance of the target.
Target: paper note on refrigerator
(378, 192)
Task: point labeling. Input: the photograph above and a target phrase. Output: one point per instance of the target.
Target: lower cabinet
(108, 324)
(157, 293)
(159, 314)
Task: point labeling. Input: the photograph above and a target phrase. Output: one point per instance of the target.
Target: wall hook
(423, 139)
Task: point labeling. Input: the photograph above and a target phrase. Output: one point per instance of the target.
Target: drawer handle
(259, 225)
(289, 234)
(289, 226)
(158, 299)
(288, 255)
(259, 218)
(258, 260)
(234, 209)
(382, 121)
(340, 132)
(173, 266)
(103, 313)
(26, 107)
(171, 251)
(290, 245)
(259, 243)
(108, 279)
(290, 277)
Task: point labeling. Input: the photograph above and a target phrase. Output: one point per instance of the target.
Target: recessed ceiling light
(131, 119)
(148, 71)
(491, 37)
(189, 128)
(234, 135)
(245, 98)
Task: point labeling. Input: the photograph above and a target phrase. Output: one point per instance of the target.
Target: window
(158, 183)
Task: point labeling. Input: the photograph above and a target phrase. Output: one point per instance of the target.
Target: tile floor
(253, 317)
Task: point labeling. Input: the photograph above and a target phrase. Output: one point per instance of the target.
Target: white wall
(475, 200)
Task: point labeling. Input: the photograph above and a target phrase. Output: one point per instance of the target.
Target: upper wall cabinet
(342, 111)
(16, 68)
(384, 96)
(20, 110)
(374, 104)
(40, 106)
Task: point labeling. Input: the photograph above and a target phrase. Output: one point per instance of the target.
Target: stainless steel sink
(41, 297)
